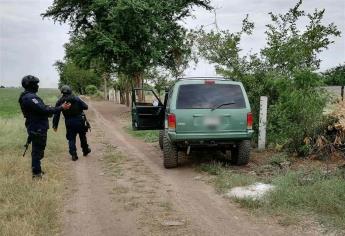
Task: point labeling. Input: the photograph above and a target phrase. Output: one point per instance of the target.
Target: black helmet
(29, 81)
(65, 89)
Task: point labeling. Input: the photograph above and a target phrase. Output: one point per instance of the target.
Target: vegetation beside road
(149, 136)
(285, 70)
(28, 207)
(303, 192)
(310, 191)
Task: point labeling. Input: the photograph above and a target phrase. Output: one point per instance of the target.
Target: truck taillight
(249, 120)
(171, 121)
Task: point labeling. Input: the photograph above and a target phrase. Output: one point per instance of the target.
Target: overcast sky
(30, 45)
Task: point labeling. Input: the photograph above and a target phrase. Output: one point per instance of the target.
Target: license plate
(211, 121)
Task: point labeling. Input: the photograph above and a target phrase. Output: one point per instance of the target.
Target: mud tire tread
(170, 153)
(161, 137)
(240, 156)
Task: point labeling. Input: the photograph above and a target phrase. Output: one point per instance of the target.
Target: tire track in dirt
(117, 198)
(89, 208)
(193, 201)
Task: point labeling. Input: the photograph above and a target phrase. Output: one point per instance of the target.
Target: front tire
(241, 154)
(170, 153)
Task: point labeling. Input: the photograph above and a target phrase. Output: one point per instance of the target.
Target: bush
(91, 90)
(262, 83)
(298, 113)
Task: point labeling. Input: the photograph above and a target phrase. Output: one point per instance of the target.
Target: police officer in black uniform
(74, 121)
(36, 114)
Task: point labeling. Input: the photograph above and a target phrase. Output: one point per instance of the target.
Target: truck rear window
(208, 96)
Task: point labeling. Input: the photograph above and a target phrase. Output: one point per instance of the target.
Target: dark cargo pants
(74, 127)
(39, 142)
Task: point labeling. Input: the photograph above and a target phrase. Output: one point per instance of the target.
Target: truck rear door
(211, 107)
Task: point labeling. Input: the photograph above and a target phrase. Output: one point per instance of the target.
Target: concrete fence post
(262, 122)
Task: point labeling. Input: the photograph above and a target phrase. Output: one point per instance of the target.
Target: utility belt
(74, 116)
(81, 119)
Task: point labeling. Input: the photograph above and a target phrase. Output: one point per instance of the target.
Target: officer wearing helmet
(74, 121)
(36, 114)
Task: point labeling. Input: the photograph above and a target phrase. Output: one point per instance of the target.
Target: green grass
(225, 178)
(28, 207)
(298, 195)
(9, 106)
(315, 193)
(149, 136)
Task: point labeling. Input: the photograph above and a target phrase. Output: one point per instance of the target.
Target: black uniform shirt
(36, 112)
(75, 111)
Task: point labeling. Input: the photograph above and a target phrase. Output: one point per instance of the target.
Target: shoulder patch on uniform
(35, 100)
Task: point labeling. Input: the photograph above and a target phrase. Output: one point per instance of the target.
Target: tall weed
(28, 207)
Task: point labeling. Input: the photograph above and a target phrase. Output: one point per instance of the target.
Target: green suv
(198, 113)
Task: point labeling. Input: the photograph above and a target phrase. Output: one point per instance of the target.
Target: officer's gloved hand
(66, 106)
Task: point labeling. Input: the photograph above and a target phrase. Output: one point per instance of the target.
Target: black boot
(86, 152)
(74, 157)
(37, 176)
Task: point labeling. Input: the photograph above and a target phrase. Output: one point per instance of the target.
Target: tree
(159, 79)
(284, 70)
(123, 85)
(83, 53)
(132, 35)
(178, 60)
(76, 77)
(222, 49)
(289, 48)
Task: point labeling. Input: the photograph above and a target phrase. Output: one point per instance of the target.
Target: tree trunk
(122, 97)
(115, 96)
(342, 93)
(105, 81)
(127, 99)
(142, 86)
(138, 83)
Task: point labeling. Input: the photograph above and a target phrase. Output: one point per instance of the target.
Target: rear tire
(161, 137)
(170, 153)
(241, 154)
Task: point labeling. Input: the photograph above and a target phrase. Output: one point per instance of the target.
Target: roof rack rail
(201, 77)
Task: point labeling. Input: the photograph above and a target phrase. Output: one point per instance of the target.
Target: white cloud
(30, 45)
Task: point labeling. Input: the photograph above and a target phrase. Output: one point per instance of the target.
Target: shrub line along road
(144, 198)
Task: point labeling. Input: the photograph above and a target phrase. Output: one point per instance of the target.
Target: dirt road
(137, 196)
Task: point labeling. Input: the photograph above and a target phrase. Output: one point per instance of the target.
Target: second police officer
(74, 121)
(36, 114)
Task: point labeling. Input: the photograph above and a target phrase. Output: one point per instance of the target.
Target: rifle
(86, 122)
(28, 141)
